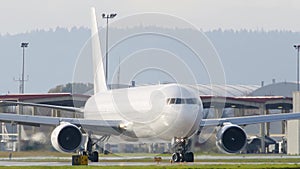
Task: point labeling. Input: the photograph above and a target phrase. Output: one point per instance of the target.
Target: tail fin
(98, 68)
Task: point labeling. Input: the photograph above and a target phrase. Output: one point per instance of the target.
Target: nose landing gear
(181, 150)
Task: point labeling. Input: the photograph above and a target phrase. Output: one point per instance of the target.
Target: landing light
(24, 45)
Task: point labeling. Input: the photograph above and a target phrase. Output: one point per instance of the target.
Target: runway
(14, 163)
(199, 157)
(21, 161)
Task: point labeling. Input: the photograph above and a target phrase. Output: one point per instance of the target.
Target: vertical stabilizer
(98, 68)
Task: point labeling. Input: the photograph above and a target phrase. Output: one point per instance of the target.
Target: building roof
(276, 89)
(225, 90)
(61, 99)
(270, 102)
(234, 96)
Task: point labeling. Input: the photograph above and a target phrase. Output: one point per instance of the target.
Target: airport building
(218, 101)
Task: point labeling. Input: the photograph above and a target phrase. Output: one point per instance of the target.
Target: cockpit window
(171, 101)
(182, 101)
(179, 101)
(190, 101)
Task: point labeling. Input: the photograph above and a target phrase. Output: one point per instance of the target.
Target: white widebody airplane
(169, 112)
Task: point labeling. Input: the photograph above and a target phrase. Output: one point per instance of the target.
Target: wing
(249, 119)
(113, 127)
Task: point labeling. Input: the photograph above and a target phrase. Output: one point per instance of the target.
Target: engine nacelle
(231, 138)
(66, 138)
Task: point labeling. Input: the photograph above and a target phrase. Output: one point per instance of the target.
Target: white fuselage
(151, 112)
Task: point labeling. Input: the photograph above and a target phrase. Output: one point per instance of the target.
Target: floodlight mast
(107, 16)
(297, 47)
(22, 87)
(23, 45)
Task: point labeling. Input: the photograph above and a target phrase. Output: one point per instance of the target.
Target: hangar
(241, 100)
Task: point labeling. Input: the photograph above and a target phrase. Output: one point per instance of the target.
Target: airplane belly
(171, 123)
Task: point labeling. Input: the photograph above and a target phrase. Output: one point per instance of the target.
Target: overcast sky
(22, 16)
(18, 16)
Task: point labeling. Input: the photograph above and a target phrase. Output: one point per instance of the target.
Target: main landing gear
(93, 156)
(180, 148)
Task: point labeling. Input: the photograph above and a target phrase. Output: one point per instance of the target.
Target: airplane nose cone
(183, 121)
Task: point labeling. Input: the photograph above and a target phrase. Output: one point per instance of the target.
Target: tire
(94, 156)
(189, 156)
(175, 157)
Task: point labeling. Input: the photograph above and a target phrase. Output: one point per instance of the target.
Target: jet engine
(66, 138)
(231, 138)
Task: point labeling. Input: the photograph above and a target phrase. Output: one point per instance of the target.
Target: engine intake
(66, 138)
(231, 138)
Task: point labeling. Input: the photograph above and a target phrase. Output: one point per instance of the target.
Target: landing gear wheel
(94, 156)
(175, 157)
(181, 148)
(189, 156)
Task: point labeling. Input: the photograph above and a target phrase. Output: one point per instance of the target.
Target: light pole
(297, 48)
(22, 86)
(23, 45)
(107, 16)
